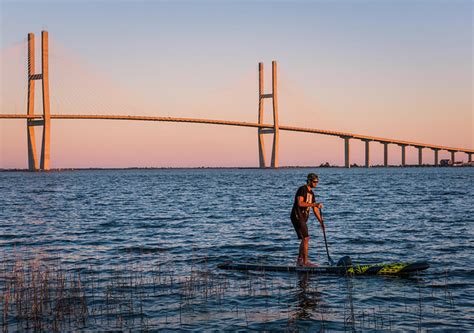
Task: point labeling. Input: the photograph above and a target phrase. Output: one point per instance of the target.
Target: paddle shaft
(331, 262)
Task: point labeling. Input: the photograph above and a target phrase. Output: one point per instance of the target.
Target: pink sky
(411, 83)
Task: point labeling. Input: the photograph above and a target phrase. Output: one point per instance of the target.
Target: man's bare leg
(306, 262)
(301, 256)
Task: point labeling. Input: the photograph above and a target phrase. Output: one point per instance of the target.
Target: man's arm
(302, 204)
(317, 213)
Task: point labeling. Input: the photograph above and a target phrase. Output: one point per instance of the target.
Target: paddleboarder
(304, 201)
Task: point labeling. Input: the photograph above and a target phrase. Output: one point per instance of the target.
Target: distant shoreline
(236, 168)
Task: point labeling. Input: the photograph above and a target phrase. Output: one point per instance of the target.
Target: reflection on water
(308, 298)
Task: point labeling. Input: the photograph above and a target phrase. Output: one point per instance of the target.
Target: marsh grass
(42, 295)
(39, 297)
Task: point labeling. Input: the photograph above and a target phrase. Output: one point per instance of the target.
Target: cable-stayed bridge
(44, 120)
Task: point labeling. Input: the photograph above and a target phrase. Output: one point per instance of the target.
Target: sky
(395, 69)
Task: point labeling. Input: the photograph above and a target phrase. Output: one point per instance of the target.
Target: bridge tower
(46, 120)
(275, 129)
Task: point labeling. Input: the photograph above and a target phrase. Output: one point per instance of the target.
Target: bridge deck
(243, 124)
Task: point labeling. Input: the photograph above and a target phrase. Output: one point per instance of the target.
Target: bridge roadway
(344, 135)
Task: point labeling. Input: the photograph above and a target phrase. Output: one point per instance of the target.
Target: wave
(142, 250)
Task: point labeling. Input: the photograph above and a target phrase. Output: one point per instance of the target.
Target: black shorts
(301, 228)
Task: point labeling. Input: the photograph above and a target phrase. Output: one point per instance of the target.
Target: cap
(312, 176)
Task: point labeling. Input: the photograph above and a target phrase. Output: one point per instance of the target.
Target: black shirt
(302, 213)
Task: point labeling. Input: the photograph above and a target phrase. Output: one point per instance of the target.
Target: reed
(43, 295)
(37, 295)
(41, 298)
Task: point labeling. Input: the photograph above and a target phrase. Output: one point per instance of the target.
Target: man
(304, 201)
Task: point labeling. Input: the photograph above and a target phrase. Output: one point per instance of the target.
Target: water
(166, 230)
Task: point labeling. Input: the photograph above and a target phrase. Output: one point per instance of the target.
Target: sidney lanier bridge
(44, 120)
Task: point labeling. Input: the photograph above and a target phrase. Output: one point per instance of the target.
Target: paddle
(331, 262)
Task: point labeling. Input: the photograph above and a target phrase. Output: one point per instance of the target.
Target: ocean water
(146, 244)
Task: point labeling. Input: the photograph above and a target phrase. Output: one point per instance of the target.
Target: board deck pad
(400, 268)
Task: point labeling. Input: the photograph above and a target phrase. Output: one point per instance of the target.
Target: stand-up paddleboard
(368, 269)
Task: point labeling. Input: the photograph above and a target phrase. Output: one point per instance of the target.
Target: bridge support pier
(275, 130)
(420, 156)
(385, 154)
(453, 156)
(436, 160)
(347, 162)
(30, 123)
(46, 121)
(403, 155)
(469, 157)
(367, 153)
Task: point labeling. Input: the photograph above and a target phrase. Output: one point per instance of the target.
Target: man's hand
(318, 205)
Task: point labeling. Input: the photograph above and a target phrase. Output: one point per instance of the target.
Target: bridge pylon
(275, 129)
(46, 120)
